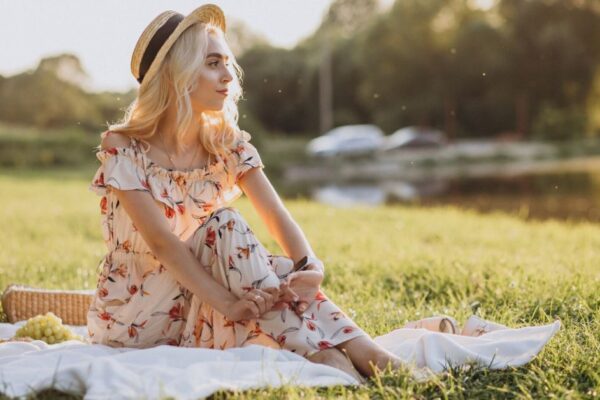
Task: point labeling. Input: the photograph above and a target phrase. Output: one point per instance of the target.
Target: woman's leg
(366, 355)
(336, 359)
(239, 262)
(226, 246)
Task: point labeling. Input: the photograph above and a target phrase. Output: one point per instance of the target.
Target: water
(562, 192)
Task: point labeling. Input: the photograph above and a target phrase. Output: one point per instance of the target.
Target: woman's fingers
(290, 278)
(256, 300)
(269, 301)
(252, 307)
(306, 285)
(263, 299)
(299, 307)
(260, 301)
(286, 293)
(302, 306)
(273, 291)
(280, 305)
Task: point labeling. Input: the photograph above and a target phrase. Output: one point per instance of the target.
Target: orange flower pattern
(138, 302)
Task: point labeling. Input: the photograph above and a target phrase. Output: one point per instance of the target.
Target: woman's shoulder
(241, 143)
(117, 146)
(110, 139)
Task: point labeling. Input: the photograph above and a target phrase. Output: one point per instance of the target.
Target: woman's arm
(280, 224)
(172, 252)
(177, 257)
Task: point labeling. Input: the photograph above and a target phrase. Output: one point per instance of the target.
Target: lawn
(385, 266)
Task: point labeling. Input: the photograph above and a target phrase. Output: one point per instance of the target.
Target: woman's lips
(223, 92)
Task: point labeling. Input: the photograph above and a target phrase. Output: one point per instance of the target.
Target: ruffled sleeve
(245, 157)
(122, 168)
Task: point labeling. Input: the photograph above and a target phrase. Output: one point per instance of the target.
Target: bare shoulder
(113, 139)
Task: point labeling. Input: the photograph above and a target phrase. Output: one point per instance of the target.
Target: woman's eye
(215, 63)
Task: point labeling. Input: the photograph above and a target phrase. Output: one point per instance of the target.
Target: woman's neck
(167, 128)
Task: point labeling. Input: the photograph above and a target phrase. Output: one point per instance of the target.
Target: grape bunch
(48, 328)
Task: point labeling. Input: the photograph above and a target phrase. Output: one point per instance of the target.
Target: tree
(555, 51)
(65, 67)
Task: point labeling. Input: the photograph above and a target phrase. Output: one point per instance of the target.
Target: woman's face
(213, 78)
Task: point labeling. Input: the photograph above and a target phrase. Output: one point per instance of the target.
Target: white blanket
(184, 373)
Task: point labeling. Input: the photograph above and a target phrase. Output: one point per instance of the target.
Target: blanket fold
(100, 372)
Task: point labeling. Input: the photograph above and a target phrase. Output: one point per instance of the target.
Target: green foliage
(384, 266)
(26, 147)
(42, 99)
(559, 123)
(49, 97)
(277, 83)
(442, 63)
(29, 147)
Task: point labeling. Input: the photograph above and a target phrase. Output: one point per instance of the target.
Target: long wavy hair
(179, 71)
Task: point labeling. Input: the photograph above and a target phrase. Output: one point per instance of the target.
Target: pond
(566, 190)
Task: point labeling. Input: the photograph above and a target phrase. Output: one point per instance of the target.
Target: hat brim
(207, 13)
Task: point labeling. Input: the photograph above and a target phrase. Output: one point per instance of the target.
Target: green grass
(384, 266)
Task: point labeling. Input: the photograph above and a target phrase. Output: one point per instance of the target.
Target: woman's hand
(305, 284)
(252, 304)
(286, 296)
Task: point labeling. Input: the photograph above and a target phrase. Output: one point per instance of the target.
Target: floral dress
(138, 302)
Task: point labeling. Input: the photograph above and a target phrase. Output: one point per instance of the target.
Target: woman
(183, 268)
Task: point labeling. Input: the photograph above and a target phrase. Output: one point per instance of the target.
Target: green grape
(48, 328)
(54, 317)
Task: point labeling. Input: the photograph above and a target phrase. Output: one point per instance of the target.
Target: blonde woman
(183, 267)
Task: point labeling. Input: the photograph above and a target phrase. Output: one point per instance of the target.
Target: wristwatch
(305, 262)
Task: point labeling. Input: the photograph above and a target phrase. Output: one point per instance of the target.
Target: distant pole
(450, 117)
(325, 87)
(522, 114)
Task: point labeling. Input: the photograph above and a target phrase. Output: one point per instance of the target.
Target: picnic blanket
(100, 372)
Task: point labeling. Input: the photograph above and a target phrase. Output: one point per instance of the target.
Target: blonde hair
(179, 71)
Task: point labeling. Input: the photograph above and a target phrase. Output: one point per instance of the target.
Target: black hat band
(159, 38)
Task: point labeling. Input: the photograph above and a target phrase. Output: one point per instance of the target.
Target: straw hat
(158, 37)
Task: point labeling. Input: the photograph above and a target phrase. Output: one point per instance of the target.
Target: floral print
(138, 303)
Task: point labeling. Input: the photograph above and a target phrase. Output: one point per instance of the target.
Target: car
(412, 137)
(347, 140)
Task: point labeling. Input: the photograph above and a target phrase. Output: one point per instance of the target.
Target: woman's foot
(369, 358)
(337, 359)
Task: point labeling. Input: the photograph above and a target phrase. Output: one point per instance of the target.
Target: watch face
(303, 261)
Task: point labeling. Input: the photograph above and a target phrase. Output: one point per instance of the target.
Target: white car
(347, 140)
(413, 137)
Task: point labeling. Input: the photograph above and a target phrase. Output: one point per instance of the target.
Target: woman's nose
(227, 77)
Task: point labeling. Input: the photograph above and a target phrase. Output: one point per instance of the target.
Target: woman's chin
(217, 106)
(212, 107)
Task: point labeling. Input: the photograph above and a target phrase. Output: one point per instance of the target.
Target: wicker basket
(23, 302)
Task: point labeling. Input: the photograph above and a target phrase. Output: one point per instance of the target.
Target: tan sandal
(443, 324)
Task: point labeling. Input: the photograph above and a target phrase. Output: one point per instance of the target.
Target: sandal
(443, 324)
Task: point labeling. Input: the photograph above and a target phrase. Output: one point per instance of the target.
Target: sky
(102, 34)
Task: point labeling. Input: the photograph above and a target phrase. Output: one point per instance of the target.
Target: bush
(555, 123)
(26, 148)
